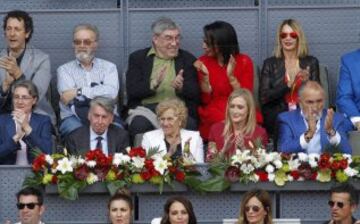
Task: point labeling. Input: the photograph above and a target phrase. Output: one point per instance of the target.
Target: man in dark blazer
(162, 71)
(101, 133)
(311, 128)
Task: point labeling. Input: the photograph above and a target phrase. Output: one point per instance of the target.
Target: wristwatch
(307, 137)
(79, 92)
(331, 133)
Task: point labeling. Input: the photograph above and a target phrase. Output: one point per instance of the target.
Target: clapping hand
(205, 81)
(231, 67)
(178, 82)
(10, 65)
(329, 120)
(155, 83)
(304, 74)
(68, 95)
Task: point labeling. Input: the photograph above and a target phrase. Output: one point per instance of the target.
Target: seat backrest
(138, 139)
(324, 79)
(275, 221)
(256, 85)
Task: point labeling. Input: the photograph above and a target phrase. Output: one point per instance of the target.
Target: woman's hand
(304, 74)
(230, 73)
(205, 81)
(23, 120)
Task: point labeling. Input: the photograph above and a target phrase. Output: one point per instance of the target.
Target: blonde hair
(177, 105)
(250, 122)
(302, 45)
(263, 197)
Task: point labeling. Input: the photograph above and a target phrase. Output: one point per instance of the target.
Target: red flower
(172, 169)
(138, 151)
(81, 172)
(54, 179)
(343, 164)
(324, 162)
(335, 165)
(180, 176)
(263, 176)
(38, 162)
(313, 176)
(149, 164)
(295, 174)
(232, 174)
(145, 175)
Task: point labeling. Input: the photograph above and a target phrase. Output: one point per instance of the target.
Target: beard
(84, 57)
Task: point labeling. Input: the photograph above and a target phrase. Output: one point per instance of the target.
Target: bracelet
(307, 137)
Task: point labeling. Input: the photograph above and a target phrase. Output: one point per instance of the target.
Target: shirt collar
(93, 135)
(94, 62)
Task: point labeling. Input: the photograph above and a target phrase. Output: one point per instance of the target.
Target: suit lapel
(11, 128)
(110, 141)
(179, 64)
(300, 120)
(323, 135)
(25, 63)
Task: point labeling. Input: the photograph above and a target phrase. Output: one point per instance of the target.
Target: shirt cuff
(335, 140)
(354, 120)
(303, 142)
(87, 91)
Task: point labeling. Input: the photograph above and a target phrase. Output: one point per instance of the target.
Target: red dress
(213, 105)
(216, 135)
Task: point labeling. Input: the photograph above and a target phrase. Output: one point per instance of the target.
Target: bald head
(311, 86)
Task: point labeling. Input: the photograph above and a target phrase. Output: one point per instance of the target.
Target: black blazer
(138, 79)
(78, 142)
(272, 87)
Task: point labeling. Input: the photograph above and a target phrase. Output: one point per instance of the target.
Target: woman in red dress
(239, 130)
(222, 69)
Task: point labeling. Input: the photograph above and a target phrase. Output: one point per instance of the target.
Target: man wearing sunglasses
(30, 204)
(343, 203)
(83, 79)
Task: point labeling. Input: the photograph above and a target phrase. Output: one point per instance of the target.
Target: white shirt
(104, 141)
(21, 155)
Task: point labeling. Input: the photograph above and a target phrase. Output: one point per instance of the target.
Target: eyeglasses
(16, 97)
(337, 203)
(284, 35)
(255, 208)
(28, 205)
(169, 38)
(86, 42)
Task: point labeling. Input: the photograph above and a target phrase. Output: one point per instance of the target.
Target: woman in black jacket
(283, 73)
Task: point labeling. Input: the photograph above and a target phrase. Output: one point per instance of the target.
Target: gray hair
(162, 24)
(87, 26)
(106, 103)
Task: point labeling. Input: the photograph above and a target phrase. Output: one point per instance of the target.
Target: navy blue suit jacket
(40, 137)
(292, 126)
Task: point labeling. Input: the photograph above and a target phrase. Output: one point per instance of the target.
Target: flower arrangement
(257, 165)
(72, 173)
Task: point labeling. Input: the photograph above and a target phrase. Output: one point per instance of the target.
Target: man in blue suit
(348, 91)
(311, 128)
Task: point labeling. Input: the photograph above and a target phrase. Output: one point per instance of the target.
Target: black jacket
(272, 87)
(138, 79)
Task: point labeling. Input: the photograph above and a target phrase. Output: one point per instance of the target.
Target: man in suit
(348, 91)
(84, 78)
(20, 61)
(101, 134)
(162, 71)
(311, 128)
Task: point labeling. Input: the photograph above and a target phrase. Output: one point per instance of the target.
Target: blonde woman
(283, 73)
(239, 130)
(172, 137)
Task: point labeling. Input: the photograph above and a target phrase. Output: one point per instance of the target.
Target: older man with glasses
(343, 203)
(159, 72)
(83, 79)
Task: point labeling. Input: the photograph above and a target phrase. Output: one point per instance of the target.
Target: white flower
(254, 178)
(91, 178)
(120, 159)
(160, 165)
(240, 157)
(271, 176)
(294, 164)
(303, 157)
(269, 157)
(91, 163)
(313, 159)
(128, 149)
(64, 165)
(290, 178)
(138, 162)
(80, 161)
(351, 172)
(73, 161)
(348, 158)
(49, 159)
(278, 164)
(269, 168)
(247, 168)
(301, 179)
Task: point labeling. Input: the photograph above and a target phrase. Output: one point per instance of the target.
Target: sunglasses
(293, 35)
(28, 205)
(337, 203)
(86, 42)
(254, 208)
